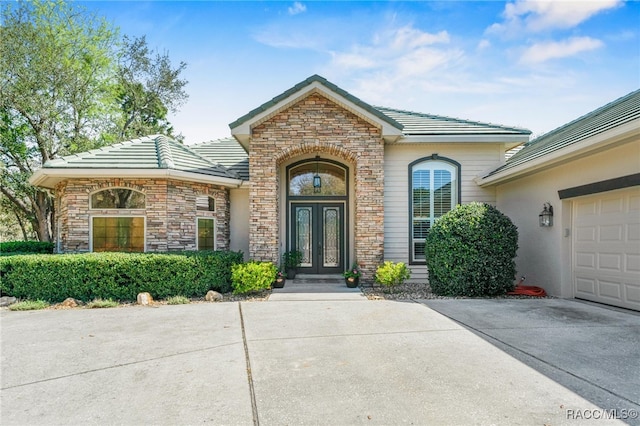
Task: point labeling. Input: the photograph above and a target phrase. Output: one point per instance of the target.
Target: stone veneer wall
(170, 212)
(317, 125)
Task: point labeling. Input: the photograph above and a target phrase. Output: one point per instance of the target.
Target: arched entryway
(318, 214)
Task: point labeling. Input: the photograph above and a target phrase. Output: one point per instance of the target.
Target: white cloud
(401, 51)
(541, 52)
(539, 15)
(297, 8)
(483, 44)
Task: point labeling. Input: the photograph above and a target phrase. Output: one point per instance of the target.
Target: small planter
(291, 273)
(279, 283)
(352, 282)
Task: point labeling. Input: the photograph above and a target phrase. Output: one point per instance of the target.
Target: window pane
(205, 203)
(206, 234)
(418, 250)
(118, 198)
(332, 177)
(442, 195)
(421, 193)
(118, 234)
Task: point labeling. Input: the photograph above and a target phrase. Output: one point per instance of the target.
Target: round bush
(470, 252)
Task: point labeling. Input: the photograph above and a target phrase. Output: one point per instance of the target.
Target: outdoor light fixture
(317, 182)
(546, 216)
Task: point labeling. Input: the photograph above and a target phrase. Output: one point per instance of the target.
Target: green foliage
(392, 274)
(67, 86)
(119, 276)
(29, 305)
(470, 252)
(102, 303)
(291, 259)
(23, 247)
(353, 272)
(252, 276)
(178, 300)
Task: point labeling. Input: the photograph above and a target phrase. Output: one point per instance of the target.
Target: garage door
(606, 248)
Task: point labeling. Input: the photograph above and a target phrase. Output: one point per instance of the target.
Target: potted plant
(281, 278)
(352, 276)
(291, 260)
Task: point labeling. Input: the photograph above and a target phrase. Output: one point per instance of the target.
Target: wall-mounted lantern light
(317, 181)
(546, 216)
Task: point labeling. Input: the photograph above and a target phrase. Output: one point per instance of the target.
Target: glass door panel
(317, 230)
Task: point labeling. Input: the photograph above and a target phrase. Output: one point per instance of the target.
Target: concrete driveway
(589, 348)
(287, 362)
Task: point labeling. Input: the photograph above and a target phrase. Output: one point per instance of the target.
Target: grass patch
(29, 305)
(102, 303)
(178, 300)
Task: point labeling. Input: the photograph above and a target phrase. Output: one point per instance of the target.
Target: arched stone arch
(317, 148)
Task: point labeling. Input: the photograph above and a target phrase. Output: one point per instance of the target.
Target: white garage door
(606, 248)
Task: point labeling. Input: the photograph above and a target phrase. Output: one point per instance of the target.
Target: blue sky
(533, 64)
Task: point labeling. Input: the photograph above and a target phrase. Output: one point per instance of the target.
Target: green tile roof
(417, 124)
(150, 152)
(227, 152)
(614, 114)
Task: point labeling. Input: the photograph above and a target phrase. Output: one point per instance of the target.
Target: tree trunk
(42, 221)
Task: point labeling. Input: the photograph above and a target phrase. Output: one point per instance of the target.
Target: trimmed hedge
(470, 252)
(23, 247)
(118, 276)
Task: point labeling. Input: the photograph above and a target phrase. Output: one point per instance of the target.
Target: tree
(67, 86)
(148, 89)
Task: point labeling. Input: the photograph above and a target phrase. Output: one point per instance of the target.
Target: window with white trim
(434, 191)
(206, 233)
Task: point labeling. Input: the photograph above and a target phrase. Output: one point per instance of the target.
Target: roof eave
(620, 135)
(49, 177)
(510, 140)
(241, 128)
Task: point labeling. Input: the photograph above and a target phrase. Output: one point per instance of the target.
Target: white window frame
(117, 216)
(432, 163)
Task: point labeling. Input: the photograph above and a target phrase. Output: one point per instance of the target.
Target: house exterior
(314, 169)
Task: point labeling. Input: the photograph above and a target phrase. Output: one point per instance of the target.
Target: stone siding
(317, 125)
(170, 212)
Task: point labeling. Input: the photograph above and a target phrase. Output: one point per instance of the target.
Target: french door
(317, 230)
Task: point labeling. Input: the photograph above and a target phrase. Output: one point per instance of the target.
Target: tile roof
(227, 152)
(150, 152)
(607, 117)
(313, 79)
(415, 123)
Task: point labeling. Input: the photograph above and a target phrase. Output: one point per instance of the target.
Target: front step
(318, 279)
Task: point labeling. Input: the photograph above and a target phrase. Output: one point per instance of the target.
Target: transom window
(118, 198)
(333, 179)
(205, 203)
(434, 191)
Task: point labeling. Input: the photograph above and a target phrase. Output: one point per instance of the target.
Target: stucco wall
(239, 221)
(170, 213)
(474, 159)
(544, 256)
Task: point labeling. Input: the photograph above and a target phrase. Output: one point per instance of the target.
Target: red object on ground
(528, 290)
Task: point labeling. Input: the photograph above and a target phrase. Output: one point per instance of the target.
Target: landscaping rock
(144, 299)
(213, 296)
(69, 302)
(7, 300)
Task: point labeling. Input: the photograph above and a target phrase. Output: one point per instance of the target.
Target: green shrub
(178, 300)
(117, 276)
(29, 305)
(24, 247)
(102, 303)
(392, 274)
(470, 252)
(252, 276)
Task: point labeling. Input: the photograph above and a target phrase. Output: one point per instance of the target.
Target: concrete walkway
(322, 362)
(296, 291)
